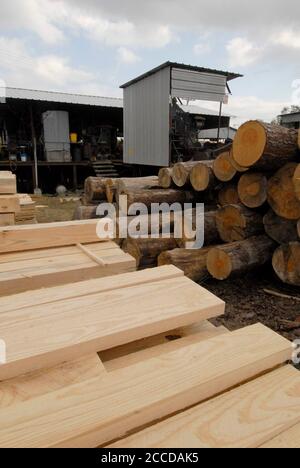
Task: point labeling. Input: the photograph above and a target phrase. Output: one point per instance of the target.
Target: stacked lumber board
(9, 201)
(257, 186)
(79, 377)
(37, 256)
(27, 212)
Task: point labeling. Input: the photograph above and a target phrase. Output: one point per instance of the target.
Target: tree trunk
(125, 186)
(111, 189)
(94, 189)
(191, 262)
(223, 168)
(208, 222)
(296, 181)
(265, 146)
(146, 251)
(286, 263)
(279, 229)
(281, 193)
(181, 173)
(236, 223)
(147, 197)
(239, 257)
(165, 178)
(85, 212)
(202, 176)
(253, 189)
(228, 195)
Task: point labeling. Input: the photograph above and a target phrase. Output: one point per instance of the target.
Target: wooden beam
(242, 418)
(101, 410)
(9, 204)
(44, 336)
(289, 439)
(8, 183)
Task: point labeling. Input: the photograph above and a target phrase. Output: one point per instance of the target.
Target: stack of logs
(251, 193)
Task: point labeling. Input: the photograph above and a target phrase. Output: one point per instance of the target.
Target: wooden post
(34, 145)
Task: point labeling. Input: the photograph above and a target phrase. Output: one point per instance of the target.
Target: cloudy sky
(93, 46)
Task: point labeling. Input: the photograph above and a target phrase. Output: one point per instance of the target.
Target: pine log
(126, 186)
(156, 195)
(208, 223)
(239, 257)
(286, 263)
(111, 189)
(233, 162)
(146, 251)
(165, 178)
(279, 229)
(236, 223)
(85, 212)
(228, 195)
(202, 176)
(296, 180)
(191, 261)
(253, 189)
(265, 146)
(181, 173)
(223, 168)
(281, 193)
(94, 189)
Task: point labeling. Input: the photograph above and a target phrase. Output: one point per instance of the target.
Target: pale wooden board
(8, 183)
(158, 350)
(7, 219)
(289, 439)
(99, 411)
(85, 288)
(242, 418)
(20, 238)
(40, 383)
(9, 204)
(43, 336)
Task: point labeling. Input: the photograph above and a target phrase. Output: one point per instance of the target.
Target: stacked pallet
(9, 201)
(42, 255)
(79, 376)
(257, 187)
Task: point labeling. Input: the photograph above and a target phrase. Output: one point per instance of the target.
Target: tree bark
(296, 181)
(286, 263)
(191, 262)
(165, 178)
(147, 197)
(279, 229)
(126, 186)
(239, 257)
(146, 251)
(85, 212)
(202, 176)
(208, 222)
(236, 223)
(265, 146)
(223, 168)
(94, 189)
(228, 195)
(181, 173)
(281, 193)
(111, 189)
(253, 189)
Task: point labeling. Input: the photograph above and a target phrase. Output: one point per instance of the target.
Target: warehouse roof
(182, 66)
(49, 96)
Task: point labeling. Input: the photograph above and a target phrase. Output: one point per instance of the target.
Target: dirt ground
(246, 301)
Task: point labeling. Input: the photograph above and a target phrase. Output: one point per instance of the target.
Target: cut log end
(202, 177)
(253, 189)
(236, 223)
(219, 264)
(286, 263)
(223, 168)
(249, 144)
(281, 193)
(228, 195)
(165, 177)
(180, 175)
(296, 179)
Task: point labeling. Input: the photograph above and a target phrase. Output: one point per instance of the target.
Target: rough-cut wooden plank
(289, 439)
(7, 219)
(8, 183)
(40, 236)
(85, 288)
(99, 411)
(161, 349)
(44, 336)
(22, 275)
(40, 383)
(243, 418)
(9, 203)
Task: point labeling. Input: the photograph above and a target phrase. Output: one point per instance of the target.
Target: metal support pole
(220, 121)
(34, 145)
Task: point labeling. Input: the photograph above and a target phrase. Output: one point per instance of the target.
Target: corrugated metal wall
(146, 120)
(187, 84)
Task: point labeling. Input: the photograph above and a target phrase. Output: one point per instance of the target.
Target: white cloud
(201, 48)
(127, 56)
(243, 52)
(288, 38)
